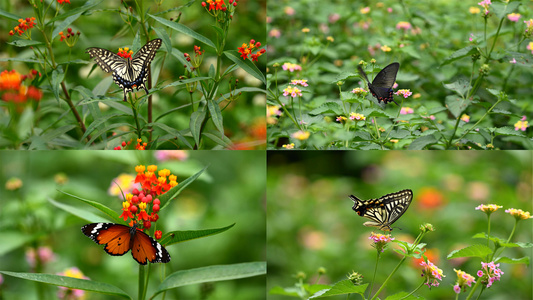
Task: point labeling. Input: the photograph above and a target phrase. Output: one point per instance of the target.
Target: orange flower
(429, 198)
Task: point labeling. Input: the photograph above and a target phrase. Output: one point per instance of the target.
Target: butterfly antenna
(362, 73)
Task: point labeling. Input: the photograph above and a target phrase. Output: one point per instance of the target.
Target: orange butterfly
(119, 239)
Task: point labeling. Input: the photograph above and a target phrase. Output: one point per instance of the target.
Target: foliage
(202, 100)
(464, 78)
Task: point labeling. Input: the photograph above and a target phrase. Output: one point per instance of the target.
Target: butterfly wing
(107, 60)
(115, 237)
(385, 210)
(387, 76)
(140, 63)
(145, 248)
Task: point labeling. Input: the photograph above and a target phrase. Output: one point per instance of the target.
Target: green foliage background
(231, 190)
(311, 223)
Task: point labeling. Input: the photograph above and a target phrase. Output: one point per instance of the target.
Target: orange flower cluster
(215, 4)
(246, 49)
(24, 24)
(126, 52)
(70, 38)
(13, 89)
(142, 206)
(63, 1)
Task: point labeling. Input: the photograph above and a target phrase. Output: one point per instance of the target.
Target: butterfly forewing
(381, 86)
(385, 210)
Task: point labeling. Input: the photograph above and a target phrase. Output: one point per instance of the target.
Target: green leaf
(179, 236)
(185, 30)
(422, 142)
(502, 9)
(81, 213)
(223, 141)
(460, 86)
(57, 78)
(174, 132)
(246, 65)
(13, 17)
(98, 122)
(402, 295)
(456, 105)
(508, 131)
(507, 260)
(24, 43)
(328, 107)
(64, 14)
(341, 288)
(106, 210)
(63, 25)
(195, 124)
(466, 51)
(11, 240)
(164, 37)
(175, 191)
(39, 142)
(476, 250)
(211, 274)
(216, 115)
(72, 283)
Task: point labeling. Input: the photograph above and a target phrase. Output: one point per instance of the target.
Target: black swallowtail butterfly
(127, 73)
(385, 210)
(381, 87)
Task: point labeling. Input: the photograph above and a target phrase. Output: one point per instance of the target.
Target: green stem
(478, 282)
(374, 276)
(134, 110)
(417, 288)
(388, 278)
(142, 286)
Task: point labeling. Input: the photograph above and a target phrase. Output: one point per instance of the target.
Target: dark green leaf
(476, 250)
(195, 124)
(246, 65)
(422, 142)
(185, 30)
(216, 115)
(343, 287)
(178, 236)
(106, 210)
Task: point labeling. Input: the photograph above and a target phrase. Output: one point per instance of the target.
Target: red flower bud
(156, 201)
(155, 208)
(133, 208)
(147, 224)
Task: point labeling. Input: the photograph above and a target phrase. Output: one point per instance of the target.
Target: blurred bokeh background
(310, 223)
(231, 190)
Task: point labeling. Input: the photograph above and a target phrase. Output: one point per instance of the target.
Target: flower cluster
(198, 57)
(272, 112)
(45, 255)
(463, 279)
(519, 214)
(522, 124)
(291, 67)
(302, 82)
(405, 93)
(485, 4)
(123, 145)
(359, 91)
(489, 273)
(529, 28)
(71, 293)
(432, 273)
(288, 146)
(23, 26)
(63, 1)
(246, 50)
(218, 4)
(13, 90)
(380, 240)
(406, 110)
(488, 209)
(292, 91)
(403, 25)
(465, 118)
(514, 17)
(70, 38)
(301, 135)
(140, 145)
(13, 184)
(357, 116)
(142, 206)
(125, 52)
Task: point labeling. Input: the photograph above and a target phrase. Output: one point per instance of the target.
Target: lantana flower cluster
(405, 93)
(23, 26)
(67, 293)
(302, 82)
(141, 206)
(463, 279)
(357, 116)
(13, 89)
(432, 273)
(291, 67)
(522, 124)
(380, 240)
(292, 91)
(246, 50)
(489, 273)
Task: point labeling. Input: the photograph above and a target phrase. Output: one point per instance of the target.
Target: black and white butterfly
(385, 210)
(127, 73)
(381, 86)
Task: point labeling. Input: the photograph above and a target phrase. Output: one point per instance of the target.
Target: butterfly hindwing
(385, 210)
(146, 248)
(381, 86)
(128, 74)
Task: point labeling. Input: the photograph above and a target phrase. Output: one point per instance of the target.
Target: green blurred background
(231, 190)
(311, 223)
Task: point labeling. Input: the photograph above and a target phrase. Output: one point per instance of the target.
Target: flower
(45, 254)
(215, 5)
(359, 91)
(488, 209)
(246, 49)
(291, 67)
(403, 25)
(485, 4)
(432, 273)
(380, 240)
(386, 48)
(126, 52)
(513, 61)
(358, 117)
(302, 82)
(164, 155)
(288, 146)
(63, 1)
(13, 184)
(289, 10)
(463, 279)
(365, 10)
(122, 183)
(13, 89)
(519, 214)
(72, 293)
(465, 118)
(292, 91)
(489, 273)
(341, 119)
(521, 125)
(529, 29)
(405, 93)
(513, 17)
(23, 26)
(275, 33)
(430, 198)
(306, 30)
(474, 10)
(406, 110)
(301, 135)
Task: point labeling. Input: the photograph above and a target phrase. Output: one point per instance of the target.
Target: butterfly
(119, 239)
(385, 210)
(381, 87)
(127, 73)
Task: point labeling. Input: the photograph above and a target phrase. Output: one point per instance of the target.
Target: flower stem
(388, 278)
(417, 288)
(141, 283)
(374, 276)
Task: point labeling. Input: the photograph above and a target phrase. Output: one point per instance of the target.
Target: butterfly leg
(125, 94)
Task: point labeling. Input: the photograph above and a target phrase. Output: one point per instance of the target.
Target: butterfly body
(131, 73)
(381, 86)
(119, 239)
(385, 210)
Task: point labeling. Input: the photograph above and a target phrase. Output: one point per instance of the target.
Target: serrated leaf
(476, 250)
(466, 51)
(343, 287)
(508, 131)
(422, 142)
(456, 105)
(328, 107)
(507, 260)
(460, 86)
